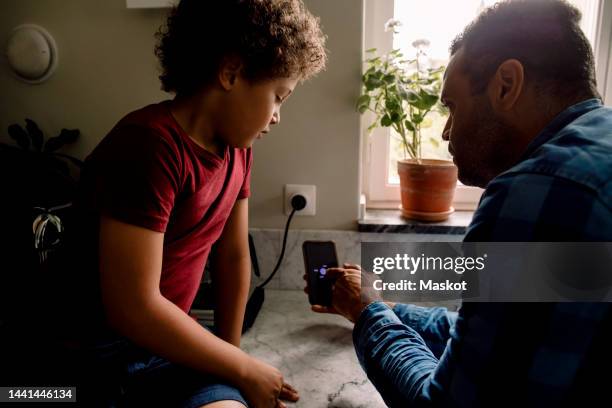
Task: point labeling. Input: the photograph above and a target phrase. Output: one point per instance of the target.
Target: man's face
(253, 107)
(480, 143)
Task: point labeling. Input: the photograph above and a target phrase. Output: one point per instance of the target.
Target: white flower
(392, 25)
(421, 43)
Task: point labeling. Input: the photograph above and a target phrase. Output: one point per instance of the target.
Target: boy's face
(252, 107)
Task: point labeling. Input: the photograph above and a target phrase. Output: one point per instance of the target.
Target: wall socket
(308, 191)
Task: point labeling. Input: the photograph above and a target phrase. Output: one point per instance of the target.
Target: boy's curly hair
(272, 38)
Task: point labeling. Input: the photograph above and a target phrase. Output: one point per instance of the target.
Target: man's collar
(559, 122)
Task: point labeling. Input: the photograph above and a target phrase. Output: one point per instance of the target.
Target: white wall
(107, 68)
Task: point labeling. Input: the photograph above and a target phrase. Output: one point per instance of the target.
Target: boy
(172, 179)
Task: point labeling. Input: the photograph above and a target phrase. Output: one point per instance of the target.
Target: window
(382, 150)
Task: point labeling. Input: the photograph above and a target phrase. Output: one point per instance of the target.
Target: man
(527, 123)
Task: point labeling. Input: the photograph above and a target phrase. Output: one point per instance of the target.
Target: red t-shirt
(148, 172)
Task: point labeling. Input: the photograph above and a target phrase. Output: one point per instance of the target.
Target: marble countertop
(313, 351)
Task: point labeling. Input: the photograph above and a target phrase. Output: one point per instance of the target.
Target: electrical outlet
(309, 192)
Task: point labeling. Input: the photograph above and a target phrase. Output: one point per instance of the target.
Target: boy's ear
(229, 70)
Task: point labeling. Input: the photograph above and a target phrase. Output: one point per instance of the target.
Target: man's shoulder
(523, 206)
(581, 153)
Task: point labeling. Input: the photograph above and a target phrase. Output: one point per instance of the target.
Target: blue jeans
(121, 374)
(399, 348)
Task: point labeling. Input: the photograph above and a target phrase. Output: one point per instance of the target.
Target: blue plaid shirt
(501, 354)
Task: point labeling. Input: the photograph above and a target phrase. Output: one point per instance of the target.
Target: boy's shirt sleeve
(137, 177)
(245, 190)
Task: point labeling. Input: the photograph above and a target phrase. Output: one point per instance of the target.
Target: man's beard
(491, 149)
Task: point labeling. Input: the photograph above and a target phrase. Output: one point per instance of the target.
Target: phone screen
(318, 257)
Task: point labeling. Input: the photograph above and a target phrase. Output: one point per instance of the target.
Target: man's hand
(348, 298)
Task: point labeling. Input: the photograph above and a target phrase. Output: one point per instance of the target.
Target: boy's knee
(224, 404)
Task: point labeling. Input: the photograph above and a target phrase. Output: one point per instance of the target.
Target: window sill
(377, 220)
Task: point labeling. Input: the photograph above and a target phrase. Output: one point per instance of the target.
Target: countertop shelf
(392, 221)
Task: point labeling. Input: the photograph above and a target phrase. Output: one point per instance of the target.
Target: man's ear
(507, 85)
(229, 70)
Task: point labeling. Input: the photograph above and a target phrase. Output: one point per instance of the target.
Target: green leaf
(35, 134)
(363, 103)
(424, 100)
(386, 121)
(412, 97)
(429, 99)
(434, 142)
(389, 78)
(409, 126)
(370, 50)
(392, 104)
(401, 91)
(20, 136)
(372, 83)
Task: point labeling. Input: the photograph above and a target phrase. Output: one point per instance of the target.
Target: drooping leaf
(69, 136)
(363, 102)
(53, 144)
(392, 104)
(412, 97)
(20, 136)
(429, 99)
(372, 83)
(386, 121)
(417, 118)
(35, 134)
(389, 78)
(66, 136)
(401, 91)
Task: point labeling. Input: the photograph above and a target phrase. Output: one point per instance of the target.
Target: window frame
(603, 50)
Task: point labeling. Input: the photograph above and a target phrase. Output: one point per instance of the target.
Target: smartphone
(318, 257)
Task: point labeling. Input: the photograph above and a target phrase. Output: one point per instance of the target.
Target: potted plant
(402, 93)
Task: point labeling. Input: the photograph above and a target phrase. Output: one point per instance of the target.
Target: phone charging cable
(298, 202)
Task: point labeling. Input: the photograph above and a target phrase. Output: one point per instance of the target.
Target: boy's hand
(263, 386)
(347, 297)
(288, 393)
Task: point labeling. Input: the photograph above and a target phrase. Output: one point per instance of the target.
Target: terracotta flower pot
(427, 188)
